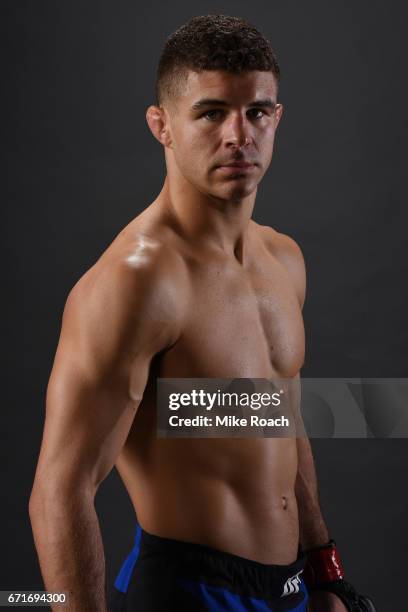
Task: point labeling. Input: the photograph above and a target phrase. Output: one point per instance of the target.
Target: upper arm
(289, 254)
(114, 322)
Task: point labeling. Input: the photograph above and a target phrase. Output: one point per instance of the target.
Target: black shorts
(167, 575)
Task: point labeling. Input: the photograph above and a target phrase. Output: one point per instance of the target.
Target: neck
(206, 220)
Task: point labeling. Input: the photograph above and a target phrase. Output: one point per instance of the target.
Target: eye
(213, 114)
(255, 113)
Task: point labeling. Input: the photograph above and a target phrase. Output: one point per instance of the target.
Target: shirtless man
(192, 287)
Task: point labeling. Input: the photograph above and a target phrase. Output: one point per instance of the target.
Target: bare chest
(241, 323)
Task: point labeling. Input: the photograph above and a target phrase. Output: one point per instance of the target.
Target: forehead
(233, 88)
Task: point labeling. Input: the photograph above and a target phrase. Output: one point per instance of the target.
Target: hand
(323, 601)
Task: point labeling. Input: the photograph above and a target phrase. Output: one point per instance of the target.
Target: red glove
(323, 565)
(324, 572)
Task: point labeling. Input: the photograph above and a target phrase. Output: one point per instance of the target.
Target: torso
(243, 320)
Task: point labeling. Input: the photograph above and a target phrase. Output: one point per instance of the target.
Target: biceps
(86, 426)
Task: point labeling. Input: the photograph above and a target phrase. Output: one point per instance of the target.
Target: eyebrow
(266, 103)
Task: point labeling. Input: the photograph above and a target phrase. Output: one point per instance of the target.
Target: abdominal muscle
(235, 495)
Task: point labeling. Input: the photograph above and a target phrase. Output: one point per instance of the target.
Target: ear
(278, 114)
(158, 123)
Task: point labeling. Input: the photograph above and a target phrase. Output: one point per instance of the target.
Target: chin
(237, 192)
(231, 190)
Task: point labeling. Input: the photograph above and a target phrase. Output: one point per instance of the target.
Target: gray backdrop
(82, 163)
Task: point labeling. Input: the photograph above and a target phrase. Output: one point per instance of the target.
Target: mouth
(236, 167)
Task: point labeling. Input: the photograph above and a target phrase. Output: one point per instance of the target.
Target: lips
(236, 168)
(237, 164)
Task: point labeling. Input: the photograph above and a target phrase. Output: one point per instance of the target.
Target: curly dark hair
(212, 42)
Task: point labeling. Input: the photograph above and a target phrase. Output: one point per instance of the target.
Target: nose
(238, 131)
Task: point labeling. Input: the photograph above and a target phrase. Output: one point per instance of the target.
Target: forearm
(70, 550)
(313, 530)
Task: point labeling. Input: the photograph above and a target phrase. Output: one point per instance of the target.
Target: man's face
(221, 119)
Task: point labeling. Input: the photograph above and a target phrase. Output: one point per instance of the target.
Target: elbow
(51, 499)
(35, 499)
(40, 499)
(35, 509)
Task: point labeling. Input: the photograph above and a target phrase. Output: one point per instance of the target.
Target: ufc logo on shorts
(292, 585)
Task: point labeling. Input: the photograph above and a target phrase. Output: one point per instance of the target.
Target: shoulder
(281, 245)
(286, 250)
(131, 296)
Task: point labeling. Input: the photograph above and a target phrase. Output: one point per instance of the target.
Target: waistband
(220, 568)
